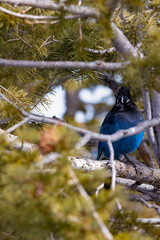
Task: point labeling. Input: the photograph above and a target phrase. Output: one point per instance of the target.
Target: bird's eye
(122, 100)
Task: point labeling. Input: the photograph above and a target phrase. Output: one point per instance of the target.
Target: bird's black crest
(123, 97)
(124, 91)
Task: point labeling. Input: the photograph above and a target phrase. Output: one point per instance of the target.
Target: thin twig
(17, 125)
(26, 16)
(80, 25)
(111, 159)
(105, 231)
(83, 141)
(148, 115)
(153, 205)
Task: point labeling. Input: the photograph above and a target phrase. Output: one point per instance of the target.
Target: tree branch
(26, 16)
(148, 115)
(108, 81)
(149, 220)
(80, 10)
(96, 65)
(122, 45)
(153, 205)
(155, 99)
(146, 155)
(112, 138)
(141, 174)
(126, 49)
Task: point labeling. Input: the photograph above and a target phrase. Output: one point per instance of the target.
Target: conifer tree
(49, 182)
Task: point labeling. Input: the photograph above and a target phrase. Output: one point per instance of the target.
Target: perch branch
(96, 65)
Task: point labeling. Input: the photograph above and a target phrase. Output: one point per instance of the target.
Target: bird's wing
(109, 126)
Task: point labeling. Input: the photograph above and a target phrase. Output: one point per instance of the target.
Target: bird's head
(123, 99)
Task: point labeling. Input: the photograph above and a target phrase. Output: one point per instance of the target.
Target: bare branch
(155, 98)
(11, 129)
(80, 25)
(80, 10)
(148, 115)
(153, 205)
(146, 155)
(84, 140)
(141, 174)
(26, 16)
(96, 65)
(122, 45)
(108, 81)
(111, 159)
(149, 220)
(101, 52)
(112, 138)
(149, 192)
(17, 143)
(38, 19)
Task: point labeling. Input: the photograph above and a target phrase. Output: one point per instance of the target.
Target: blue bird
(123, 115)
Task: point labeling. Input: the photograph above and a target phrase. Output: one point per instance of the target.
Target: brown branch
(146, 155)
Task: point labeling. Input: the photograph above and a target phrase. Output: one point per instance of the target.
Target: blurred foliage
(36, 203)
(44, 202)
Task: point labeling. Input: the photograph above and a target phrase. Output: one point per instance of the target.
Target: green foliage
(37, 202)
